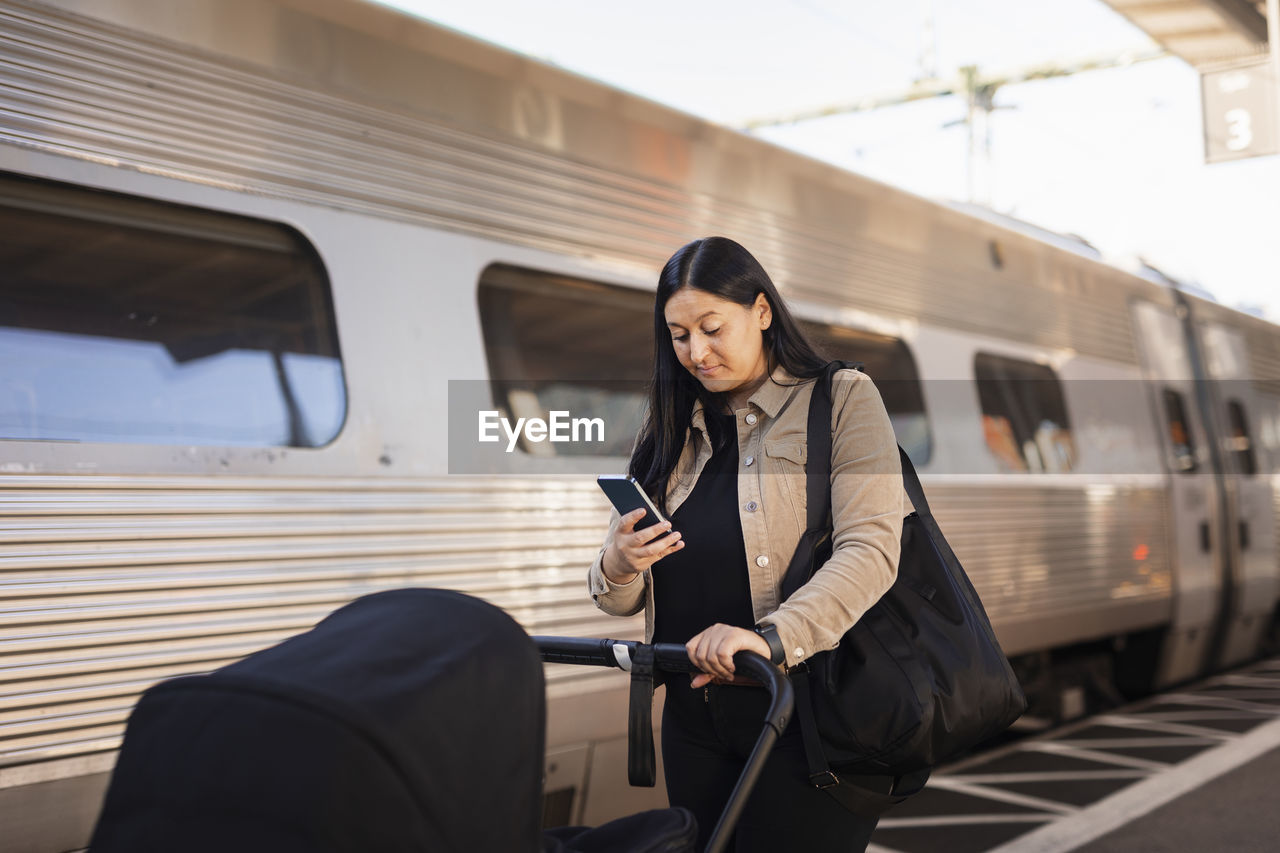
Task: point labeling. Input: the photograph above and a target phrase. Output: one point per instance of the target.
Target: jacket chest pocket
(784, 450)
(784, 476)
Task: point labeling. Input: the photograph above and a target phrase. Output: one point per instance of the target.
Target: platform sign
(1239, 111)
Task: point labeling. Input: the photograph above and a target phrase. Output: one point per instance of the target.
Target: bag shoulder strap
(817, 480)
(818, 519)
(911, 482)
(818, 457)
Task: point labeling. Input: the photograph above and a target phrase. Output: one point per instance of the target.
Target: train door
(1193, 488)
(1249, 531)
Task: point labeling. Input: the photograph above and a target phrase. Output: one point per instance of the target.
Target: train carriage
(250, 246)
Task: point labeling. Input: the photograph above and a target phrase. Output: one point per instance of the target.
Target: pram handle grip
(670, 657)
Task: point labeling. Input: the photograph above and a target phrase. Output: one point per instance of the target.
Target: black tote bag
(921, 677)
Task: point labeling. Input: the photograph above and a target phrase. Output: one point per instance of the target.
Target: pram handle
(670, 657)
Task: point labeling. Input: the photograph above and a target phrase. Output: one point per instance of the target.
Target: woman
(722, 453)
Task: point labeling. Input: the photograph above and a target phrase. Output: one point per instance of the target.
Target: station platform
(1238, 811)
(1194, 769)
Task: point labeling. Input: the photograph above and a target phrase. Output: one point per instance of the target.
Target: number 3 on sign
(1239, 129)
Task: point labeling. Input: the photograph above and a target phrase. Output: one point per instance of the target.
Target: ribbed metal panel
(1036, 551)
(109, 584)
(1264, 355)
(1275, 502)
(1261, 342)
(82, 88)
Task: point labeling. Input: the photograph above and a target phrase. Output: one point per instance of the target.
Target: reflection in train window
(556, 343)
(1024, 416)
(889, 363)
(1180, 438)
(1239, 443)
(129, 320)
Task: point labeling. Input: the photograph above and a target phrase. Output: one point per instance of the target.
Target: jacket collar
(768, 398)
(775, 392)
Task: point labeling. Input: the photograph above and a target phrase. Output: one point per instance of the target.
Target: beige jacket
(867, 509)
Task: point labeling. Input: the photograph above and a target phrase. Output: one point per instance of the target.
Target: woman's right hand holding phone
(631, 551)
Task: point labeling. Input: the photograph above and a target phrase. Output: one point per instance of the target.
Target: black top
(705, 581)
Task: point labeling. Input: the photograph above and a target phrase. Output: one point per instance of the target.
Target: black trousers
(707, 735)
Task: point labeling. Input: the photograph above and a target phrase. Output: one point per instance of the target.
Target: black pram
(410, 720)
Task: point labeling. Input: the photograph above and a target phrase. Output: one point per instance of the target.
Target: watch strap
(770, 634)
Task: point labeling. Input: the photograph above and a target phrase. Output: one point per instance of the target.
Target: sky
(1115, 156)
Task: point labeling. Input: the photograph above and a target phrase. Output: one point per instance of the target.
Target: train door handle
(1205, 544)
(1244, 535)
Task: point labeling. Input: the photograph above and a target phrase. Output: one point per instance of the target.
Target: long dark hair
(719, 266)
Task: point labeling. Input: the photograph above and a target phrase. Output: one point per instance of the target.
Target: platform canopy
(1203, 32)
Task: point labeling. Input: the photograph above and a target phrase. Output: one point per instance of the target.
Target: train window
(888, 361)
(1240, 444)
(556, 343)
(129, 320)
(1024, 415)
(1180, 439)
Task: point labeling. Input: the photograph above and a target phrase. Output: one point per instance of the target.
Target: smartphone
(626, 496)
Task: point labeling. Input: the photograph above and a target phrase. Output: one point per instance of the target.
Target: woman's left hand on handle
(712, 651)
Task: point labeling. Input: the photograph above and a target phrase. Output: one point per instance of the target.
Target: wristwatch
(770, 634)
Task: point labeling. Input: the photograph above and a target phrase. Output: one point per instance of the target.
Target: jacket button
(751, 418)
(762, 561)
(799, 652)
(752, 506)
(749, 461)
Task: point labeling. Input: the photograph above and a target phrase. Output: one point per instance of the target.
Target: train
(256, 255)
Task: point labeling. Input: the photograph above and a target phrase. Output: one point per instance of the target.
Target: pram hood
(407, 720)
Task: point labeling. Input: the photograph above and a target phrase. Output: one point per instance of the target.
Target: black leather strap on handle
(641, 763)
